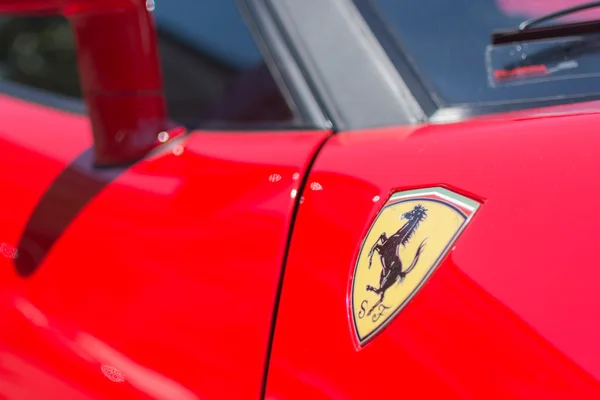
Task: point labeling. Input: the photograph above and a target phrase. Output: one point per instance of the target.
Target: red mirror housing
(119, 70)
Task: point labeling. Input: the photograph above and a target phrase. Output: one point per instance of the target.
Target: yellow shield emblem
(406, 242)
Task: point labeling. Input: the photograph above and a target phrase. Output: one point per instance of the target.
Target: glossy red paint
(155, 281)
(512, 311)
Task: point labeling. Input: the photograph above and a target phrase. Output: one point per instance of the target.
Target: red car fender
(510, 312)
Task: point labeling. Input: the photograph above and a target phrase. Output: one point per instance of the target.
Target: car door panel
(152, 281)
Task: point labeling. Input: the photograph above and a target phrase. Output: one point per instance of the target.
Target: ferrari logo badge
(409, 238)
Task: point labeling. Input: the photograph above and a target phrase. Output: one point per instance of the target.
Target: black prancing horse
(388, 250)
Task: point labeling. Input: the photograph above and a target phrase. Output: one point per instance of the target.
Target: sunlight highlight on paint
(163, 136)
(31, 312)
(114, 365)
(274, 178)
(112, 373)
(178, 150)
(316, 186)
(8, 251)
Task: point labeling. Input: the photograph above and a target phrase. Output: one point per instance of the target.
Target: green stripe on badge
(471, 203)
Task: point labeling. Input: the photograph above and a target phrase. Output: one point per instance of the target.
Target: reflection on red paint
(8, 251)
(112, 373)
(178, 150)
(274, 178)
(316, 186)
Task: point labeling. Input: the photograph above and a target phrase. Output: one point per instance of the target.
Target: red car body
(218, 265)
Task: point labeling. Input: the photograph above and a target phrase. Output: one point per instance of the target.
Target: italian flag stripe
(464, 203)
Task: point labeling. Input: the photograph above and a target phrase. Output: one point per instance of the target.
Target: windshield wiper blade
(528, 32)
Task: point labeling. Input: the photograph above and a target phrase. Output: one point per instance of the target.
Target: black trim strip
(506, 36)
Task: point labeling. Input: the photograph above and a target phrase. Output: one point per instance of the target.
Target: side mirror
(119, 70)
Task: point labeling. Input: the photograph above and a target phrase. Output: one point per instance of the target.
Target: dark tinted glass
(447, 42)
(212, 67)
(39, 52)
(213, 70)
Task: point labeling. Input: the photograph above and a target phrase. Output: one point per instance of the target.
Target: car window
(39, 52)
(447, 44)
(213, 70)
